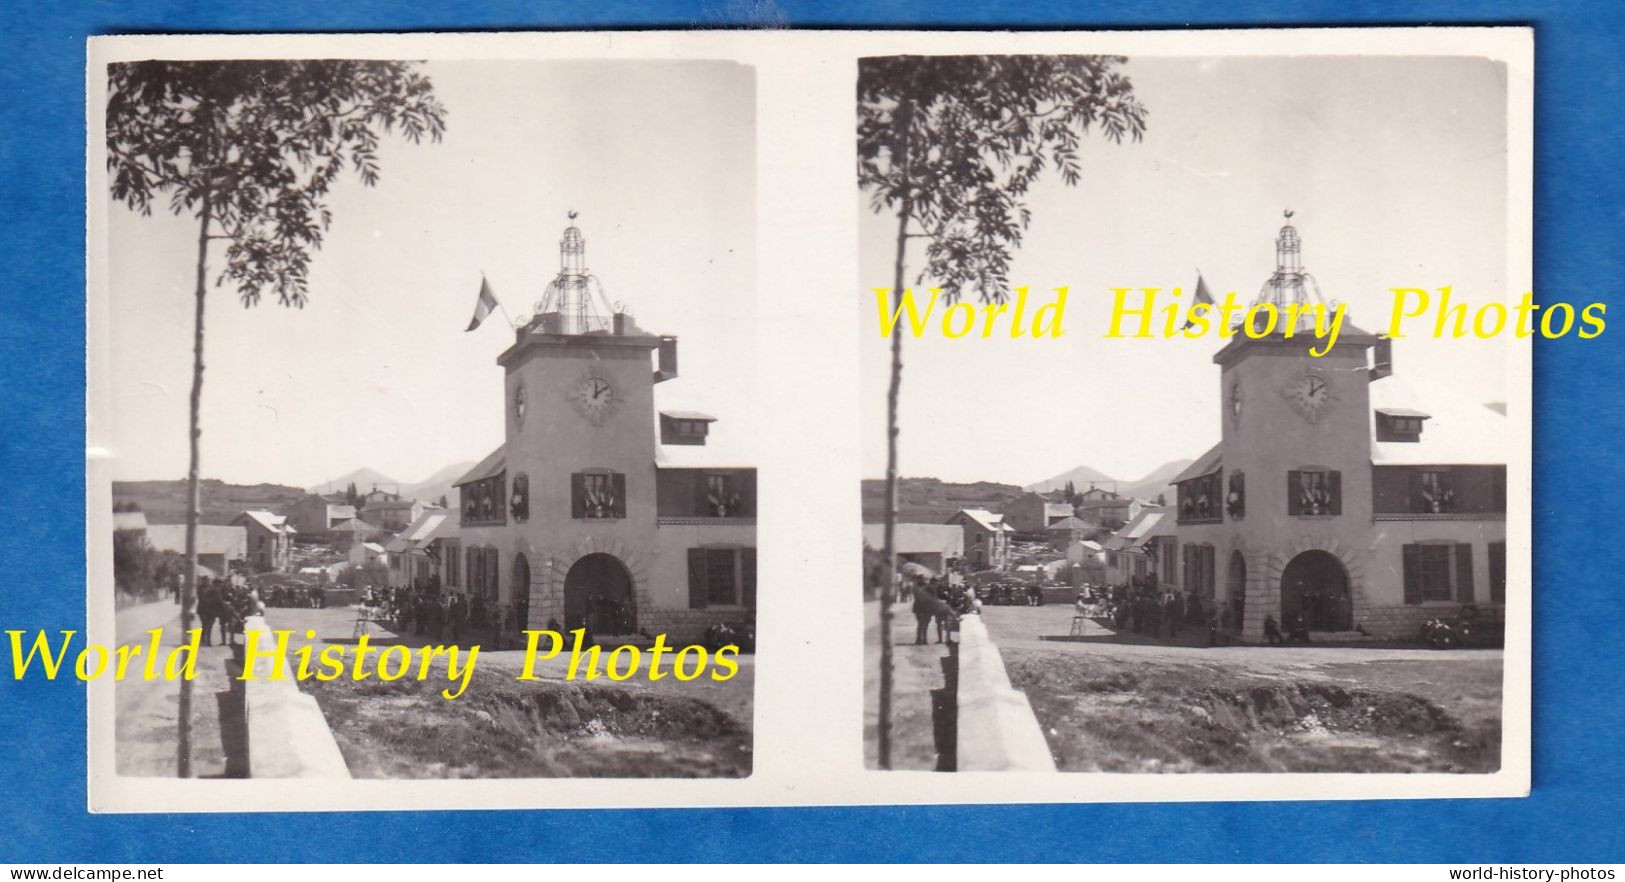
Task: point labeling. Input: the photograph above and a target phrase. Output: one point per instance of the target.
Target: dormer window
(1399, 424)
(682, 427)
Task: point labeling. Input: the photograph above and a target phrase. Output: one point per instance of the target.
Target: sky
(377, 371)
(1396, 169)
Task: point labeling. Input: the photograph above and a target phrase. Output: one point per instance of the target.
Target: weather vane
(572, 212)
(1289, 213)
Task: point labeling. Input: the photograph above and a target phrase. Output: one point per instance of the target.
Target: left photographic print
(387, 437)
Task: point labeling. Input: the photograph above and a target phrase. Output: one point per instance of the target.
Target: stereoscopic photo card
(480, 420)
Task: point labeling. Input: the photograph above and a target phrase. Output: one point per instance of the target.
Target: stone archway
(1235, 586)
(1314, 584)
(598, 596)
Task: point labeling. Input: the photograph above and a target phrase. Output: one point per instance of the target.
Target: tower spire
(1290, 284)
(575, 296)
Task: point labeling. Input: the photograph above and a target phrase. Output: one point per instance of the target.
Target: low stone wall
(1405, 622)
(287, 735)
(997, 729)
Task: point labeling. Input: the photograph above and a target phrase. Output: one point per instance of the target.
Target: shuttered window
(1314, 492)
(1464, 572)
(1498, 572)
(721, 577)
(1428, 571)
(696, 579)
(597, 495)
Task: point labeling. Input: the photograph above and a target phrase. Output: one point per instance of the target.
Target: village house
(270, 540)
(936, 547)
(1064, 532)
(394, 513)
(986, 537)
(316, 516)
(1031, 513)
(1105, 507)
(217, 546)
(429, 546)
(1131, 552)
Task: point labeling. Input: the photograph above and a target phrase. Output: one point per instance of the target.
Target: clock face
(519, 403)
(595, 398)
(1311, 395)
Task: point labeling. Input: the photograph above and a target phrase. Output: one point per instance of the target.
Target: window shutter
(1294, 493)
(1498, 572)
(696, 578)
(619, 483)
(1334, 483)
(578, 496)
(747, 566)
(1413, 574)
(1464, 572)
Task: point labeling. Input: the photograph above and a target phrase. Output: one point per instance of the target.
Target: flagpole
(486, 285)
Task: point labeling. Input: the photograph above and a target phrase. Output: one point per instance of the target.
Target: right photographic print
(1195, 390)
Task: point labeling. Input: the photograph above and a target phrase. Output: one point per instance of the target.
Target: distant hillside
(931, 501)
(1081, 477)
(165, 501)
(438, 484)
(1146, 488)
(365, 480)
(1157, 482)
(428, 490)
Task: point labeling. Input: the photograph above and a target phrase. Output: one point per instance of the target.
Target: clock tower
(1294, 455)
(572, 536)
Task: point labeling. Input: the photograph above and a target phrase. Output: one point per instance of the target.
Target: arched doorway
(1315, 585)
(519, 589)
(598, 596)
(1235, 586)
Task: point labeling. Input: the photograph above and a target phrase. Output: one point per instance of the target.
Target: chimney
(668, 360)
(619, 321)
(1382, 358)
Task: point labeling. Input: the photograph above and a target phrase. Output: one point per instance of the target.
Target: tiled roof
(491, 465)
(946, 539)
(211, 539)
(1205, 463)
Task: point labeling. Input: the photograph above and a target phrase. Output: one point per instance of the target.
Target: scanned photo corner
(316, 272)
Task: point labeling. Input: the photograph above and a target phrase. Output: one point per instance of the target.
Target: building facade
(1031, 513)
(937, 547)
(582, 518)
(317, 515)
(270, 540)
(987, 538)
(1337, 492)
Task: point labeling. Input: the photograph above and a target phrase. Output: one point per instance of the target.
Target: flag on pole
(483, 306)
(1201, 296)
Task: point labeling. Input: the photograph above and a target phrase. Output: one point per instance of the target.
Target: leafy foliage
(953, 143)
(253, 147)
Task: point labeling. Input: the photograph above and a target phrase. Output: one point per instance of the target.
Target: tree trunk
(183, 745)
(888, 584)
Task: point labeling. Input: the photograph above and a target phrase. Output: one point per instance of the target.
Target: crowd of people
(449, 616)
(226, 604)
(1141, 607)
